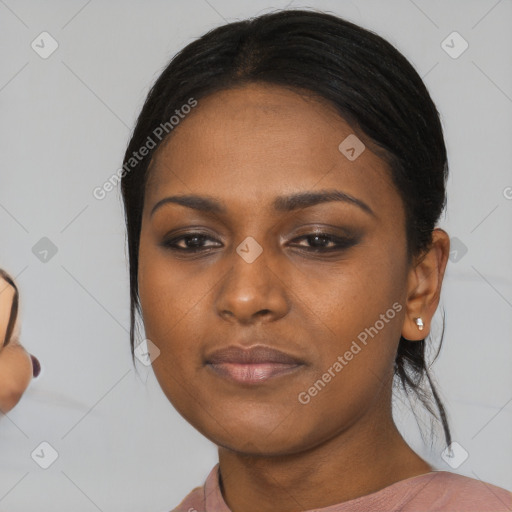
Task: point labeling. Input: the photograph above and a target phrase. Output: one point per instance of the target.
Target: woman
(17, 366)
(282, 188)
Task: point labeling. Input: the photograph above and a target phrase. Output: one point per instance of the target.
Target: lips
(253, 355)
(252, 366)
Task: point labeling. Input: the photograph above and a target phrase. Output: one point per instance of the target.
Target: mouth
(252, 373)
(255, 365)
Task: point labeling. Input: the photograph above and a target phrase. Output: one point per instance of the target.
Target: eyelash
(342, 243)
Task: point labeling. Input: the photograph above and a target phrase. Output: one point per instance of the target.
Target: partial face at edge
(245, 147)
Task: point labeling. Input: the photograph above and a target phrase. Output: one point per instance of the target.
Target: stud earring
(419, 323)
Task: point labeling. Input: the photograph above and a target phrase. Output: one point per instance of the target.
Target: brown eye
(193, 242)
(319, 241)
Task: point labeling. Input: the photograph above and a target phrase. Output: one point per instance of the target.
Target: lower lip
(256, 373)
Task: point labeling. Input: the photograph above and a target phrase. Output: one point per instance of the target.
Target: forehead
(258, 141)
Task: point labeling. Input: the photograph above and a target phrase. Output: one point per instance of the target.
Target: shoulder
(445, 491)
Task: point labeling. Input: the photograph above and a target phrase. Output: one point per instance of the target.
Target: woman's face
(257, 279)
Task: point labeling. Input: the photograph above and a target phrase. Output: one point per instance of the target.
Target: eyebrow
(281, 204)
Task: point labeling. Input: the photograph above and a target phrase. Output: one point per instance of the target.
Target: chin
(262, 436)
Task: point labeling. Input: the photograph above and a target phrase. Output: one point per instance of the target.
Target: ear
(424, 286)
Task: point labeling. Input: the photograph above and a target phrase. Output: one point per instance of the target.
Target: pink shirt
(438, 491)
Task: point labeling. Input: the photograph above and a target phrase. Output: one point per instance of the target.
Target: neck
(361, 460)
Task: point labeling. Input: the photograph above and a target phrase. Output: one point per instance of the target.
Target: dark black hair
(366, 79)
(14, 307)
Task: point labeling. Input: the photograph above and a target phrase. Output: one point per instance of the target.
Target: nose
(253, 291)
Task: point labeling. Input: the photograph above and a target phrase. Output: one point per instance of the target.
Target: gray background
(65, 121)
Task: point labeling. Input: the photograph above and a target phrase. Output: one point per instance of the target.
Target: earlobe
(419, 323)
(424, 287)
(415, 328)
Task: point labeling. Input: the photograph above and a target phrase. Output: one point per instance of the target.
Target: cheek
(354, 296)
(166, 293)
(361, 315)
(172, 299)
(159, 300)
